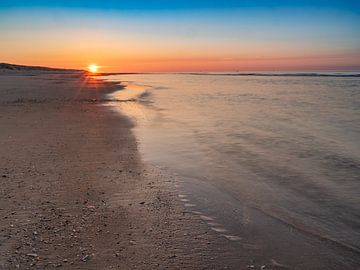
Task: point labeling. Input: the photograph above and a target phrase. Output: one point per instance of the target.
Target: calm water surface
(288, 146)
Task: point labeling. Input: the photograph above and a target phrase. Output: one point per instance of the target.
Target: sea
(286, 145)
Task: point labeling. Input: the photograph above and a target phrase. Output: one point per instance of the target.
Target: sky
(172, 36)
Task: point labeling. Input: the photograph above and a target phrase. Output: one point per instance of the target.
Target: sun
(93, 68)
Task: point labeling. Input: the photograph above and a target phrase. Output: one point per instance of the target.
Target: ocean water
(285, 144)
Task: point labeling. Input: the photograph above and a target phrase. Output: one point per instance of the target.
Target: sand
(74, 191)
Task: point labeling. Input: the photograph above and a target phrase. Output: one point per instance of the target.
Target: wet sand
(74, 191)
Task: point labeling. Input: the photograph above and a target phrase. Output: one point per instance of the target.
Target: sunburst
(93, 68)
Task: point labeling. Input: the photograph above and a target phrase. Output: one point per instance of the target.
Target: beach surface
(77, 194)
(74, 191)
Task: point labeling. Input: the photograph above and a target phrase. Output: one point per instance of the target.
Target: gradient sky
(185, 35)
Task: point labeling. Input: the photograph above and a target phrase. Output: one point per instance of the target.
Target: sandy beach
(74, 192)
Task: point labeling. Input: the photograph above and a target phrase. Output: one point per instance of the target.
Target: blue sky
(350, 5)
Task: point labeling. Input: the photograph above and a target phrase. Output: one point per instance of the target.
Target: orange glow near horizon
(140, 54)
(120, 63)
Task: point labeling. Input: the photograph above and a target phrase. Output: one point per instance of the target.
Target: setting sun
(93, 68)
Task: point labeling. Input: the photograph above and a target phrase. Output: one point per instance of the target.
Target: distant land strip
(13, 67)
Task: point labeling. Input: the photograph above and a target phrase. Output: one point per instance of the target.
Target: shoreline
(75, 193)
